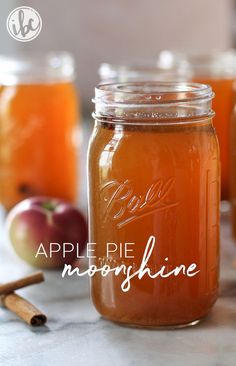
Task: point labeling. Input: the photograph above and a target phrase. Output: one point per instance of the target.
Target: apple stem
(50, 206)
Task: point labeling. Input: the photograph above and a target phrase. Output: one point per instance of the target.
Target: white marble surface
(76, 335)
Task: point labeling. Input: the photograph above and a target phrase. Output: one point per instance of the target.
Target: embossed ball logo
(24, 24)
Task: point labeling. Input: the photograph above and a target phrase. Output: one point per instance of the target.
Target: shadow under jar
(153, 171)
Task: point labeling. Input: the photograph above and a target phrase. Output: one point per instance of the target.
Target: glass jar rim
(213, 63)
(154, 102)
(29, 68)
(144, 93)
(177, 71)
(174, 65)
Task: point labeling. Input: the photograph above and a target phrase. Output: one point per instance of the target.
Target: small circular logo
(24, 24)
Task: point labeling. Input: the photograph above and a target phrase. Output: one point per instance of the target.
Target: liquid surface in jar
(222, 104)
(176, 167)
(37, 142)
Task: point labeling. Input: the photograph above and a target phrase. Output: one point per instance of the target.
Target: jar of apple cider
(38, 125)
(218, 69)
(233, 173)
(153, 173)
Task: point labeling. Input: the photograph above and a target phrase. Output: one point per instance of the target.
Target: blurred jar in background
(217, 69)
(233, 170)
(38, 125)
(169, 70)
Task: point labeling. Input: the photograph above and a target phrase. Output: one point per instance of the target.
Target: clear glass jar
(153, 172)
(38, 126)
(165, 68)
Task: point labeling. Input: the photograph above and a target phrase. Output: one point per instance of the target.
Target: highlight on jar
(154, 192)
(216, 68)
(39, 128)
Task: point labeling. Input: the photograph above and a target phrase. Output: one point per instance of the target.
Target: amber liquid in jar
(160, 180)
(223, 106)
(38, 147)
(233, 173)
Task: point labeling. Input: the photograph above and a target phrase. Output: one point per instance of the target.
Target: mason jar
(165, 68)
(154, 189)
(233, 173)
(38, 127)
(218, 69)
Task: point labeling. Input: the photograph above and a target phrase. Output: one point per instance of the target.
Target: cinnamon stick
(24, 309)
(9, 287)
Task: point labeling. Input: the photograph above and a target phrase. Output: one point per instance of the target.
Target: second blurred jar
(38, 123)
(217, 69)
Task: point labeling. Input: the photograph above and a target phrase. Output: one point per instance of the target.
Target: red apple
(46, 220)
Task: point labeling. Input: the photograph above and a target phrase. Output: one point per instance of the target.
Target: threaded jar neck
(153, 101)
